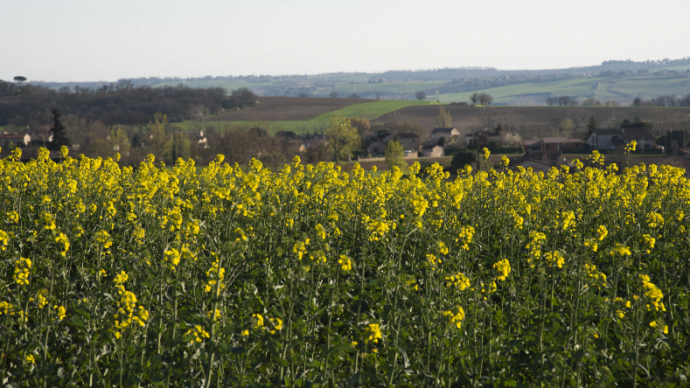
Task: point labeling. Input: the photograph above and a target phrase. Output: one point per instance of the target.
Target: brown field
(530, 118)
(289, 108)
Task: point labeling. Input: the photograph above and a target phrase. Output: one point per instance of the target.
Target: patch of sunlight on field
(393, 87)
(372, 110)
(506, 94)
(653, 86)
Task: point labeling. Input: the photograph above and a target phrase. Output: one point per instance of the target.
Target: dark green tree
(19, 79)
(499, 129)
(462, 158)
(58, 131)
(592, 125)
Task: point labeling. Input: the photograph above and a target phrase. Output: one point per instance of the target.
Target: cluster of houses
(549, 148)
(11, 140)
(414, 146)
(541, 149)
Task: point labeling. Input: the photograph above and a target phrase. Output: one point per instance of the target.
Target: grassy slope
(505, 94)
(653, 86)
(392, 87)
(601, 88)
(370, 110)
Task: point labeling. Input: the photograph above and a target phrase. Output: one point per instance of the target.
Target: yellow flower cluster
(455, 317)
(22, 270)
(460, 281)
(345, 263)
(127, 307)
(554, 258)
(197, 333)
(503, 266)
(598, 276)
(215, 275)
(373, 333)
(4, 240)
(653, 292)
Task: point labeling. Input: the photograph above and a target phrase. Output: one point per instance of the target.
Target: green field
(506, 94)
(620, 89)
(653, 86)
(392, 87)
(368, 110)
(372, 110)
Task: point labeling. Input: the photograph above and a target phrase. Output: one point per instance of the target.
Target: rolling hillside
(308, 114)
(622, 81)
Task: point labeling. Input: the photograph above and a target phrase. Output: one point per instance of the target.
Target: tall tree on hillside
(420, 95)
(592, 125)
(395, 156)
(160, 143)
(444, 119)
(474, 98)
(19, 79)
(58, 131)
(342, 137)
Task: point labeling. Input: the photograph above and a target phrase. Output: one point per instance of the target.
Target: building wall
(447, 136)
(434, 152)
(410, 143)
(604, 142)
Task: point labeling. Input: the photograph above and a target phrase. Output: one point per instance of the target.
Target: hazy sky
(87, 40)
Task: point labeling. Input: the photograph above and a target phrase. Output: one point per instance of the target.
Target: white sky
(87, 40)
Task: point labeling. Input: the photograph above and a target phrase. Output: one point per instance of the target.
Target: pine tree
(58, 131)
(592, 125)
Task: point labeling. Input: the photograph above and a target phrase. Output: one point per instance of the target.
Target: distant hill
(611, 80)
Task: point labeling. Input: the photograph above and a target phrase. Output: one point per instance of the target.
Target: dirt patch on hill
(289, 108)
(533, 118)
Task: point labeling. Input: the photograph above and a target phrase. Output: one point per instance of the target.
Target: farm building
(554, 143)
(483, 137)
(446, 133)
(409, 141)
(432, 150)
(17, 139)
(614, 139)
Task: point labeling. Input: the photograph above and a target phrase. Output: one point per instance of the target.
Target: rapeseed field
(311, 276)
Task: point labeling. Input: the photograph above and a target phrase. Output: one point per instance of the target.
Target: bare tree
(199, 113)
(490, 117)
(334, 94)
(551, 101)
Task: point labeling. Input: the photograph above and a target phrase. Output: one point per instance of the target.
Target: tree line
(666, 101)
(121, 103)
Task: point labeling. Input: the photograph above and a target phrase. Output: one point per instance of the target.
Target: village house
(554, 143)
(446, 133)
(615, 139)
(432, 151)
(409, 141)
(483, 137)
(16, 139)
